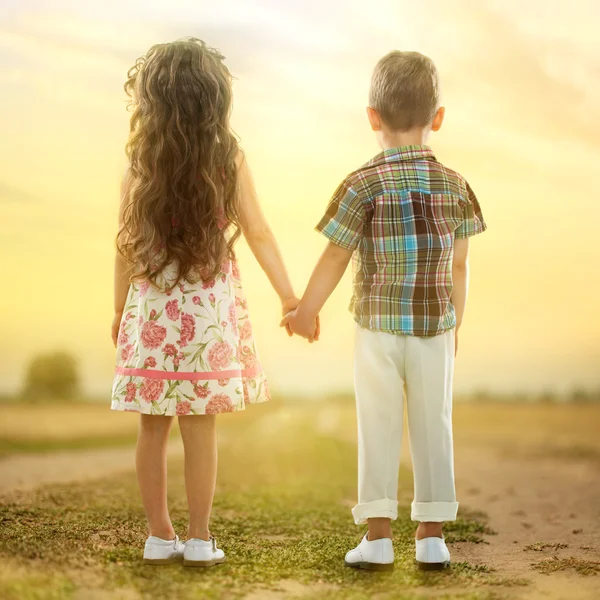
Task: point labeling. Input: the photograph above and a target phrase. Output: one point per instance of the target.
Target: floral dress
(188, 351)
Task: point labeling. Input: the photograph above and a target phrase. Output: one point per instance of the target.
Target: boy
(407, 220)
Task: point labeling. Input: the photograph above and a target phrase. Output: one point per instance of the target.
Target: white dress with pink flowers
(188, 351)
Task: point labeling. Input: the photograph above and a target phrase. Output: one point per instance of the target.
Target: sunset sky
(521, 85)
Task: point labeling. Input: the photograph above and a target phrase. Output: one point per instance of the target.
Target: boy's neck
(394, 139)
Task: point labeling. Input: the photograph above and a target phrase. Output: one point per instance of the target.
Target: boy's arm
(260, 238)
(343, 225)
(460, 280)
(121, 276)
(323, 281)
(472, 224)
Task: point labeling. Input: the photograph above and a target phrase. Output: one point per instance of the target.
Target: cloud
(295, 58)
(83, 51)
(507, 72)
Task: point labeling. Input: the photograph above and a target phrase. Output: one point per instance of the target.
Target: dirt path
(28, 471)
(532, 502)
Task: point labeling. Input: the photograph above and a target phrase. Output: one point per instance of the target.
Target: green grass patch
(282, 514)
(541, 546)
(554, 563)
(469, 526)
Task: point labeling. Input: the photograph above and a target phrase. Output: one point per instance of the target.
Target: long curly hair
(180, 194)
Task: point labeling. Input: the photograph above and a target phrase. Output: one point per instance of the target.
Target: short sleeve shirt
(401, 213)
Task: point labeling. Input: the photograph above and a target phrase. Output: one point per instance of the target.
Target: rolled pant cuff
(433, 511)
(386, 509)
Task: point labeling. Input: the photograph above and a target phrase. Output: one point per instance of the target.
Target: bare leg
(379, 528)
(151, 466)
(199, 434)
(433, 529)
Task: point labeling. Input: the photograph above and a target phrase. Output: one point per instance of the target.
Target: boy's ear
(374, 119)
(438, 119)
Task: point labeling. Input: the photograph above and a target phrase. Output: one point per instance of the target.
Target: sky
(520, 83)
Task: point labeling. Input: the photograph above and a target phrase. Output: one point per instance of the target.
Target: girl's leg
(151, 466)
(199, 434)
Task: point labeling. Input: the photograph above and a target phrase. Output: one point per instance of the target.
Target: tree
(581, 395)
(548, 397)
(51, 376)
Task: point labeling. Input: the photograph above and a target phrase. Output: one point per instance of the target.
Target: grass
(554, 564)
(541, 546)
(281, 514)
(468, 527)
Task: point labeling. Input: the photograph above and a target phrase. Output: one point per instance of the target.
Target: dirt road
(28, 471)
(545, 512)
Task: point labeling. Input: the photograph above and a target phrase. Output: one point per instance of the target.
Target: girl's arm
(260, 238)
(121, 281)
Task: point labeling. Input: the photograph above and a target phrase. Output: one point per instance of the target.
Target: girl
(184, 340)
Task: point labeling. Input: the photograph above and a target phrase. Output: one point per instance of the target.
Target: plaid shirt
(402, 211)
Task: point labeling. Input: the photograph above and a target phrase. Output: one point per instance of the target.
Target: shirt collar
(402, 153)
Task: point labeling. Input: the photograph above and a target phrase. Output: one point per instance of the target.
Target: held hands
(297, 322)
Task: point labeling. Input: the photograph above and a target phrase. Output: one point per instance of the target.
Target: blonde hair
(405, 90)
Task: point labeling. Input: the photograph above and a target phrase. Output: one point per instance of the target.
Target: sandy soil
(533, 501)
(28, 471)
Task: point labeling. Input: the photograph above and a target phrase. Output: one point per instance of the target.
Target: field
(72, 526)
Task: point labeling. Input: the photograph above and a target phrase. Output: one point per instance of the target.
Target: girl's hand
(116, 325)
(288, 305)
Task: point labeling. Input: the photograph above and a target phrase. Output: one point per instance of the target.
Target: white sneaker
(162, 552)
(377, 555)
(200, 553)
(432, 554)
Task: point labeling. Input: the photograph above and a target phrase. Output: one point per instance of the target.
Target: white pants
(384, 365)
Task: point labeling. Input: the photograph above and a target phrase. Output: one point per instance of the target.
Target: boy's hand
(300, 325)
(455, 342)
(116, 324)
